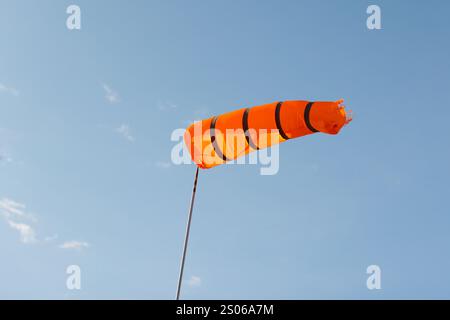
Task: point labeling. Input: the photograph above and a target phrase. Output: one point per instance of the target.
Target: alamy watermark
(73, 21)
(374, 20)
(73, 281)
(374, 280)
(208, 149)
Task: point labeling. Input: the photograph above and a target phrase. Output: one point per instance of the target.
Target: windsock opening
(347, 113)
(329, 117)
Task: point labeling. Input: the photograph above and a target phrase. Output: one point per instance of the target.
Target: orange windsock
(226, 137)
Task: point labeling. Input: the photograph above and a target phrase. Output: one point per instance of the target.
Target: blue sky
(85, 171)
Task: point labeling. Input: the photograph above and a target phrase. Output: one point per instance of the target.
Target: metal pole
(186, 239)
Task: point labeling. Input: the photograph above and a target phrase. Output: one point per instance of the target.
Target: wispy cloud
(74, 245)
(13, 212)
(125, 131)
(110, 95)
(51, 238)
(10, 90)
(11, 209)
(194, 281)
(18, 219)
(163, 164)
(7, 137)
(5, 158)
(166, 105)
(27, 234)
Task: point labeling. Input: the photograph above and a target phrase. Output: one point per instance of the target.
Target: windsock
(223, 138)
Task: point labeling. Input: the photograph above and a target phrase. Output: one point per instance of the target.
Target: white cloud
(10, 209)
(6, 139)
(5, 158)
(166, 105)
(125, 131)
(13, 211)
(51, 238)
(27, 234)
(194, 281)
(74, 245)
(163, 164)
(6, 89)
(17, 218)
(110, 95)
